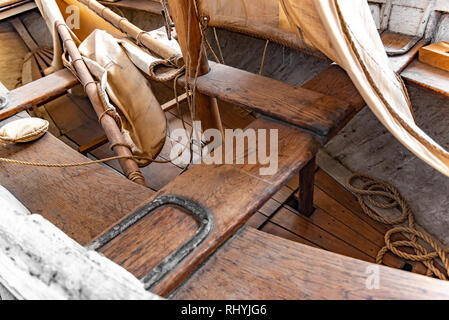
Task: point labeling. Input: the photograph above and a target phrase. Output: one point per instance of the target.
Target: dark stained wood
(306, 185)
(270, 207)
(332, 207)
(313, 111)
(256, 265)
(147, 6)
(38, 92)
(277, 230)
(81, 201)
(232, 192)
(427, 77)
(335, 82)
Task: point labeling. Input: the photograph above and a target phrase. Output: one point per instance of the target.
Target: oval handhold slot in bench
(203, 216)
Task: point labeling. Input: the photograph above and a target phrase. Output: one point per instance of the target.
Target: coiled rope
(376, 193)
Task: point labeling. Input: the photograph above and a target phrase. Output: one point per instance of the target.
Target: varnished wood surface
(256, 265)
(427, 77)
(398, 44)
(81, 201)
(317, 112)
(232, 192)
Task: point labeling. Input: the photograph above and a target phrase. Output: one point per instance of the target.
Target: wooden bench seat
(232, 193)
(257, 265)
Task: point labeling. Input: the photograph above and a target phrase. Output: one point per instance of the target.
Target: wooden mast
(189, 37)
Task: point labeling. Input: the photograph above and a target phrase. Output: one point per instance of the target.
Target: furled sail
(117, 64)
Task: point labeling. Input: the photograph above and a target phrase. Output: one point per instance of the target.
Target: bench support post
(306, 185)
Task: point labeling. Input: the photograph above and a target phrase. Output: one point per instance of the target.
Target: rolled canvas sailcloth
(117, 64)
(344, 30)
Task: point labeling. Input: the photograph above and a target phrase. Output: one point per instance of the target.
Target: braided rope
(382, 195)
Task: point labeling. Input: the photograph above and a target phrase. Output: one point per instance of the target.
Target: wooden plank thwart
(304, 108)
(256, 265)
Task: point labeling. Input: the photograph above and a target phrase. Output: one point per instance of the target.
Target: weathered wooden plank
(427, 77)
(256, 265)
(38, 261)
(38, 92)
(81, 201)
(232, 193)
(317, 112)
(147, 6)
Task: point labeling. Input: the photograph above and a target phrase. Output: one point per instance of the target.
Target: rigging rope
(382, 195)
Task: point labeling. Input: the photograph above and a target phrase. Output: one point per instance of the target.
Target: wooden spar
(109, 125)
(134, 32)
(189, 37)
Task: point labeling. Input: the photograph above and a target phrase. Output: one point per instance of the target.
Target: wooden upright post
(306, 185)
(189, 37)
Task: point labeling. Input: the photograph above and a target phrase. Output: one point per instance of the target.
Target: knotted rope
(380, 194)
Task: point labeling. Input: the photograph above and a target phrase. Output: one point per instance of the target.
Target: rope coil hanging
(376, 193)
